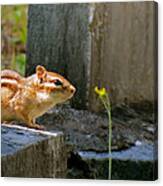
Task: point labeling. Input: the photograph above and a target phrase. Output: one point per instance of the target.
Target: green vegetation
(104, 97)
(14, 32)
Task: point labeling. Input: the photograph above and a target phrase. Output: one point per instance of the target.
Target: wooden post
(58, 39)
(111, 45)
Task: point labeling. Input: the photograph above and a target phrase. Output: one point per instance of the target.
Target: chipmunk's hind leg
(9, 122)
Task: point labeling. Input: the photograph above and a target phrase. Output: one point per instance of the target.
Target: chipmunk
(25, 99)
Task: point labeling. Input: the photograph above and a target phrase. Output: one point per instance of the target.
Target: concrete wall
(111, 45)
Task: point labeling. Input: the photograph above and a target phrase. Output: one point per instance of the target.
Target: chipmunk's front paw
(37, 126)
(40, 127)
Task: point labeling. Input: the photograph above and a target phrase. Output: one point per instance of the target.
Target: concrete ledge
(135, 163)
(32, 153)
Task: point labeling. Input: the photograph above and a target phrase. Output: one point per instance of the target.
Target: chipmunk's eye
(57, 82)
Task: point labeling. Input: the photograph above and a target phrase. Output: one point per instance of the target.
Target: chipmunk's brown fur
(25, 99)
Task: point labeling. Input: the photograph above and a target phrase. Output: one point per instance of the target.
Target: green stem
(110, 144)
(107, 106)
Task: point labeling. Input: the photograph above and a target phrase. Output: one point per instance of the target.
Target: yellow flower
(101, 92)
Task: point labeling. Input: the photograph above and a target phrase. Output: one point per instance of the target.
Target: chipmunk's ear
(40, 71)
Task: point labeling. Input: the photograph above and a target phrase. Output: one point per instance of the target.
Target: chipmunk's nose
(72, 89)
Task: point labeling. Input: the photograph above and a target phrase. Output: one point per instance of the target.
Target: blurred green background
(13, 35)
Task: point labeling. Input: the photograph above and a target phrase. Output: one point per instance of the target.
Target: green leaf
(20, 61)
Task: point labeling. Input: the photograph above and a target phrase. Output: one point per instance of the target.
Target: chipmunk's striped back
(10, 79)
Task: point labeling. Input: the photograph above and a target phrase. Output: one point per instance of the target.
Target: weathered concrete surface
(136, 163)
(32, 153)
(89, 131)
(106, 44)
